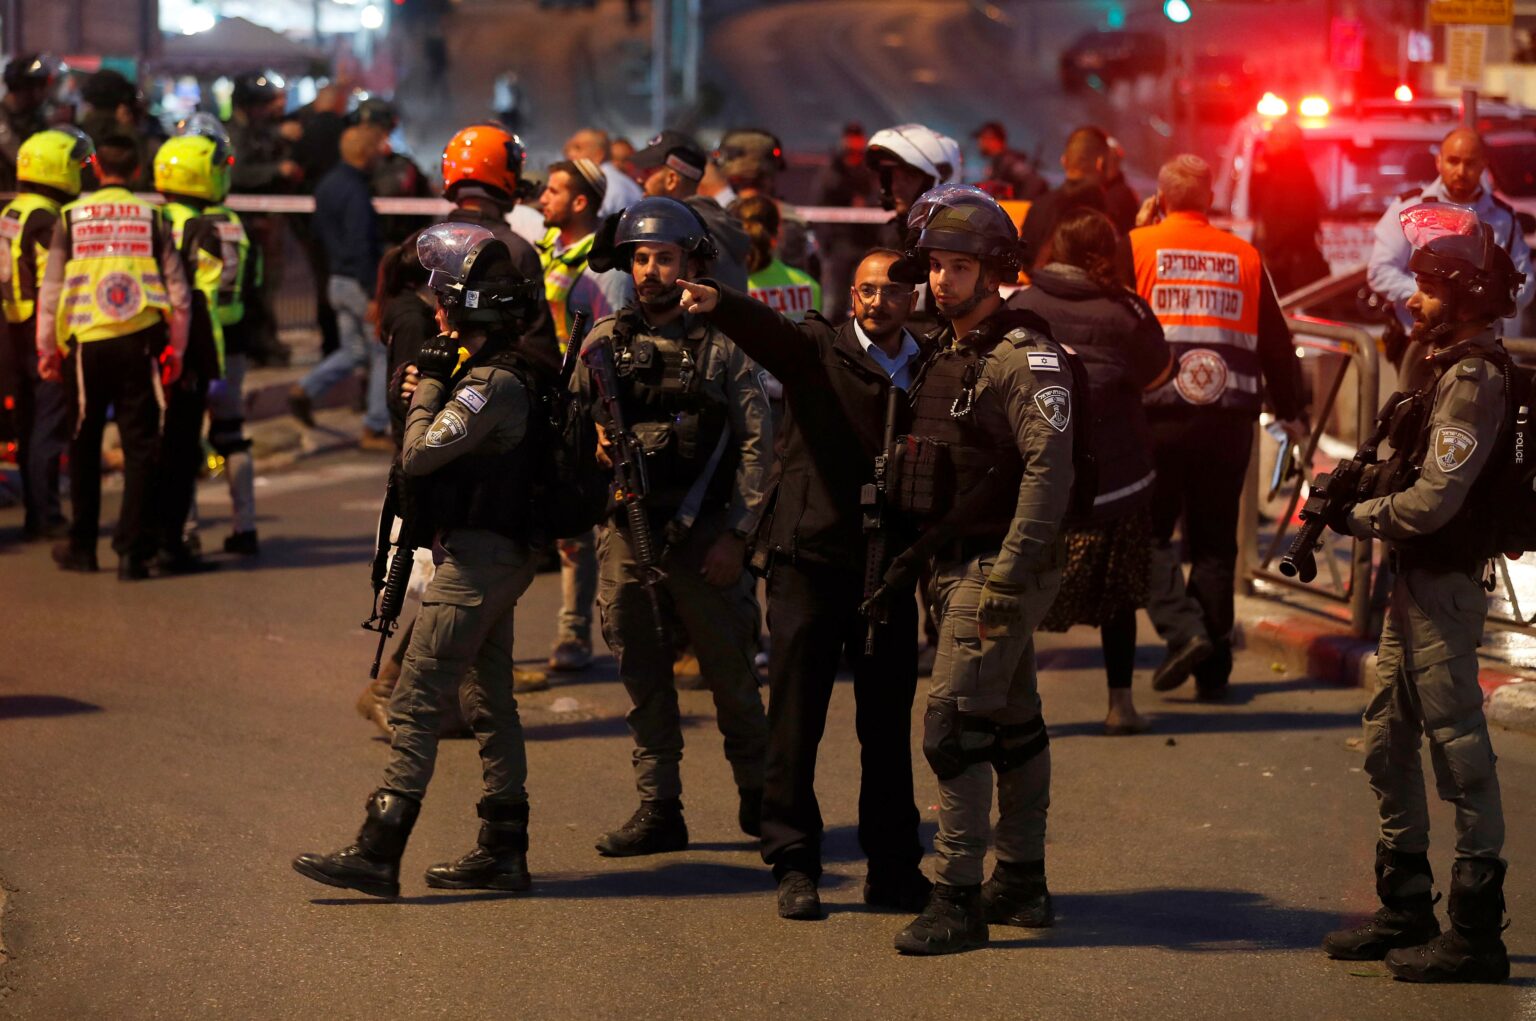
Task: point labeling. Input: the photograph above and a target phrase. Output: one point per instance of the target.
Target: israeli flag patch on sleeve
(473, 400)
(1049, 361)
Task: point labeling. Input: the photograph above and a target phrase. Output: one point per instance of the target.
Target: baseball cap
(674, 150)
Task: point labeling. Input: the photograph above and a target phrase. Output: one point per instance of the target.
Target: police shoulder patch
(1452, 447)
(449, 428)
(1055, 404)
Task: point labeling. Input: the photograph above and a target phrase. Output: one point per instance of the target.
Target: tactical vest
(678, 423)
(204, 271)
(112, 281)
(561, 271)
(1471, 536)
(236, 245)
(20, 306)
(959, 439)
(488, 490)
(786, 290)
(1203, 285)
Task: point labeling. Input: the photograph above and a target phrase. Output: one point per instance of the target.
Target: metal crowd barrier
(1357, 588)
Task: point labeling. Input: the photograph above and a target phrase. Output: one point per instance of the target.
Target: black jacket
(835, 398)
(1122, 347)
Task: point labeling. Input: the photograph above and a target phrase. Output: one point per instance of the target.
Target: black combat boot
(749, 811)
(896, 887)
(655, 828)
(798, 899)
(372, 865)
(1405, 885)
(1016, 895)
(1473, 949)
(499, 862)
(951, 923)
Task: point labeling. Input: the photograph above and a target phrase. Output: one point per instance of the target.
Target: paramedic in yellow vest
(191, 171)
(48, 169)
(1213, 297)
(569, 203)
(113, 314)
(236, 312)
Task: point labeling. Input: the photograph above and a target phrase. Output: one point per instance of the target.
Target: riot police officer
(28, 78)
(466, 439)
(694, 400)
(988, 468)
(48, 167)
(1438, 529)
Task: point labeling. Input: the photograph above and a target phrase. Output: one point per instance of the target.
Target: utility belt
(968, 548)
(1436, 557)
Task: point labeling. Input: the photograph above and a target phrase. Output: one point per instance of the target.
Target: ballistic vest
(960, 436)
(112, 281)
(678, 423)
(486, 489)
(561, 271)
(1203, 285)
(19, 305)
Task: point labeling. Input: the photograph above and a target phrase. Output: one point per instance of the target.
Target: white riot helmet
(923, 149)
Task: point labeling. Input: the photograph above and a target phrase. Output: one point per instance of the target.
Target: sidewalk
(1301, 634)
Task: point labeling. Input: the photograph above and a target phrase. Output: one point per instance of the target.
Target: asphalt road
(166, 748)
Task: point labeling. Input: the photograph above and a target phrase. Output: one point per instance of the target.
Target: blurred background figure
(846, 181)
(622, 191)
(1010, 173)
(27, 81)
(1287, 210)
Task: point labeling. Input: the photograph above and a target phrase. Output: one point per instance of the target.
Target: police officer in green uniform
(1438, 529)
(988, 467)
(467, 440)
(192, 172)
(115, 298)
(696, 404)
(48, 167)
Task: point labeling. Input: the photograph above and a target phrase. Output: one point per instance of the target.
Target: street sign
(1465, 46)
(1471, 12)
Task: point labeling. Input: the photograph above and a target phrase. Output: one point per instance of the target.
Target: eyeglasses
(889, 292)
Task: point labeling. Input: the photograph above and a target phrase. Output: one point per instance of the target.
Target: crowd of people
(1008, 452)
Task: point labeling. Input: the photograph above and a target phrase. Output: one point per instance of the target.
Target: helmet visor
(206, 125)
(83, 148)
(1431, 221)
(443, 250)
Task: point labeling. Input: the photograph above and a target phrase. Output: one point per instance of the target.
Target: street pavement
(167, 747)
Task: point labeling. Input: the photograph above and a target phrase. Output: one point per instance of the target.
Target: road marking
(216, 491)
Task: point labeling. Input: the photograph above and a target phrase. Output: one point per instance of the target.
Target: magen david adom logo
(118, 296)
(1202, 376)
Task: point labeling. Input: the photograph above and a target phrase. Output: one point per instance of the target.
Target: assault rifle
(1352, 480)
(394, 555)
(630, 482)
(872, 501)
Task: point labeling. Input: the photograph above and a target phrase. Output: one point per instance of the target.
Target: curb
(1327, 652)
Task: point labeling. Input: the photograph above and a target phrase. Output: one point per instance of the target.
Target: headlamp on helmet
(471, 272)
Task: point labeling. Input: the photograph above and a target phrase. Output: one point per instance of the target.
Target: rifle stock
(873, 498)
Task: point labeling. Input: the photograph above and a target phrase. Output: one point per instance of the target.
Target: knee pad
(953, 741)
(1017, 743)
(227, 436)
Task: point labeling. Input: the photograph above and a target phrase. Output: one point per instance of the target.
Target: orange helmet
(487, 156)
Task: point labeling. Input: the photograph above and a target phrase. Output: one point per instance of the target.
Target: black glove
(1338, 519)
(438, 357)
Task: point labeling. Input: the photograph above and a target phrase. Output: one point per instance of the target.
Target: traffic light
(1176, 11)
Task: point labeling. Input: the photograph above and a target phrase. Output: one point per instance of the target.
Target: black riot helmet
(29, 71)
(958, 218)
(474, 278)
(662, 221)
(255, 87)
(1450, 242)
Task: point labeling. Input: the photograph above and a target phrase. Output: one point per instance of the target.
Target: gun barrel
(1300, 561)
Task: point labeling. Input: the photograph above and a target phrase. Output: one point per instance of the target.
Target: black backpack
(1512, 489)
